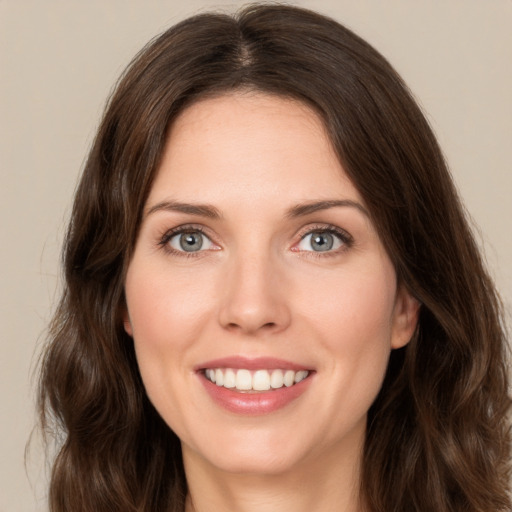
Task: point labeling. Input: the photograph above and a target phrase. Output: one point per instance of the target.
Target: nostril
(267, 326)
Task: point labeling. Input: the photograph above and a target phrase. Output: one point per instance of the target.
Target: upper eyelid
(164, 241)
(330, 228)
(346, 239)
(300, 234)
(183, 228)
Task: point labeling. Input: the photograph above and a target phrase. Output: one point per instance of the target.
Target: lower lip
(261, 402)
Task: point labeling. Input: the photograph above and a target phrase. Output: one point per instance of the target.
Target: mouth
(252, 381)
(257, 386)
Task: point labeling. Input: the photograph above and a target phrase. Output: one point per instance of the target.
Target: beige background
(58, 61)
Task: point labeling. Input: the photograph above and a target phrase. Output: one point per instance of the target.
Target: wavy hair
(438, 434)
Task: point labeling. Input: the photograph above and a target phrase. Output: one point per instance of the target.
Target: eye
(190, 241)
(322, 241)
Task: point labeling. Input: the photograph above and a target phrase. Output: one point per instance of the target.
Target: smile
(245, 380)
(254, 386)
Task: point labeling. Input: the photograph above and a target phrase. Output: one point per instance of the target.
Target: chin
(263, 464)
(250, 452)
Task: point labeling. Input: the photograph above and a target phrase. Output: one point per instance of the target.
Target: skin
(257, 288)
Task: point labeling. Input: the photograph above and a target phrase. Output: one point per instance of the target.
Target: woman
(273, 300)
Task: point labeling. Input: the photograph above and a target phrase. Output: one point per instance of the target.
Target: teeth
(301, 375)
(260, 380)
(229, 378)
(243, 379)
(277, 379)
(289, 378)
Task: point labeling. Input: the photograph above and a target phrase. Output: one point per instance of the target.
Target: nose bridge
(253, 299)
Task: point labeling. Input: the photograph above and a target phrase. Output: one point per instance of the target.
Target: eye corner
(338, 240)
(172, 242)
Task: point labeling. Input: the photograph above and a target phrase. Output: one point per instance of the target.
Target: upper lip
(249, 363)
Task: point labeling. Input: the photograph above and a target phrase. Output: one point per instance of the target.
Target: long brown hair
(438, 435)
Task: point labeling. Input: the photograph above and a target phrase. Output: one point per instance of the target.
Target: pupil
(191, 242)
(322, 241)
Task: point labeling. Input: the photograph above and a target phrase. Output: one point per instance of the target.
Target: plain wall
(58, 61)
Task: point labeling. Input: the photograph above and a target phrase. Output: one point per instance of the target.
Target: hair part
(438, 434)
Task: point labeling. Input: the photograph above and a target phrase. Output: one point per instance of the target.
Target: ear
(127, 323)
(405, 318)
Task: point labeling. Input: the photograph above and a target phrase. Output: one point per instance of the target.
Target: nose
(254, 297)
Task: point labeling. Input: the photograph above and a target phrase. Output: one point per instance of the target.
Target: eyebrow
(202, 210)
(303, 209)
(299, 210)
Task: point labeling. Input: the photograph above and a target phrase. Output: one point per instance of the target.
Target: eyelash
(346, 239)
(179, 230)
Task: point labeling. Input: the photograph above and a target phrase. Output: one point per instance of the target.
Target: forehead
(253, 145)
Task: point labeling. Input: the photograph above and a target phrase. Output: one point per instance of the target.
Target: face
(258, 267)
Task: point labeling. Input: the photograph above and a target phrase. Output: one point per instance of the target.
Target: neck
(327, 484)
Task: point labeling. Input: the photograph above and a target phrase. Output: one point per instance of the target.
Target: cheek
(167, 315)
(355, 323)
(163, 306)
(355, 307)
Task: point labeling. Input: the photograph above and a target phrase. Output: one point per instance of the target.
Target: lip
(257, 403)
(250, 363)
